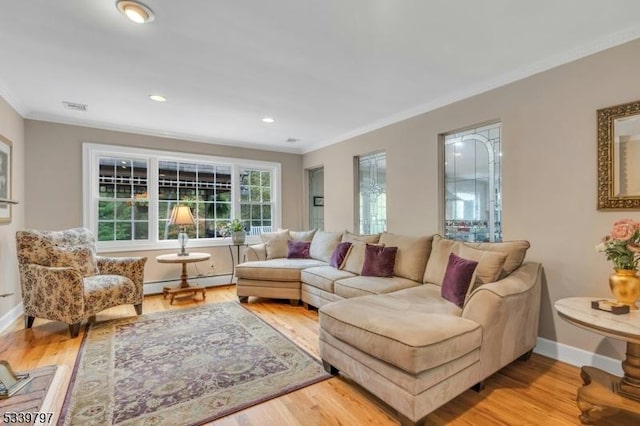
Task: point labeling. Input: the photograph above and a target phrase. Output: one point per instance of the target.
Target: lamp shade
(181, 215)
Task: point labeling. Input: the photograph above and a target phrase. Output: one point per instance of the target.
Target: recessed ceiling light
(137, 12)
(268, 120)
(157, 98)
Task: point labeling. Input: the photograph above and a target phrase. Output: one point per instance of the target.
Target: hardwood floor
(540, 391)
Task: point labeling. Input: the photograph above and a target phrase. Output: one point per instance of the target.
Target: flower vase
(625, 286)
(238, 237)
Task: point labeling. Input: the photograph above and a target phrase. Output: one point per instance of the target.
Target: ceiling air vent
(75, 106)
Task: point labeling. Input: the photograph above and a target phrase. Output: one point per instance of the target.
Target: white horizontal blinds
(205, 188)
(473, 184)
(123, 204)
(256, 200)
(372, 184)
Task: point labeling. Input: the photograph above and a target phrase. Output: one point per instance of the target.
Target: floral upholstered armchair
(63, 279)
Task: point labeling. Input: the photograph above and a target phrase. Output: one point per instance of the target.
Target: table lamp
(181, 215)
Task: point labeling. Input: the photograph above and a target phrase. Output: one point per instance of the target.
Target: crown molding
(616, 39)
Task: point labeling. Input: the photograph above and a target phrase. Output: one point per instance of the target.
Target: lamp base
(183, 238)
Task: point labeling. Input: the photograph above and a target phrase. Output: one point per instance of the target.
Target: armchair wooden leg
(74, 329)
(138, 308)
(28, 321)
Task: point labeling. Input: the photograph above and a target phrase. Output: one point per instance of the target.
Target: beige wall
(54, 182)
(549, 160)
(12, 128)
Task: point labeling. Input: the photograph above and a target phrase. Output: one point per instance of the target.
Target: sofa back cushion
(412, 255)
(302, 235)
(276, 243)
(379, 261)
(490, 263)
(323, 244)
(363, 238)
(515, 252)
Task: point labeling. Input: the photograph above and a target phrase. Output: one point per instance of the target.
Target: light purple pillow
(339, 254)
(457, 279)
(379, 261)
(298, 249)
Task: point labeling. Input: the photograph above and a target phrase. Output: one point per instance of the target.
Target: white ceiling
(324, 69)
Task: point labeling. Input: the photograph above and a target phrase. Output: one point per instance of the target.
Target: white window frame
(91, 152)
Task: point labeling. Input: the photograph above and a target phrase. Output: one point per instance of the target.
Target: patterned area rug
(182, 367)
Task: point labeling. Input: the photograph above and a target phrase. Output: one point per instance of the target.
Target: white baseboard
(577, 357)
(8, 319)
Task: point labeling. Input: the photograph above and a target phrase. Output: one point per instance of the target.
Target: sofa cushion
(515, 250)
(457, 279)
(276, 243)
(302, 235)
(364, 238)
(275, 269)
(323, 244)
(412, 255)
(391, 327)
(489, 263)
(339, 255)
(355, 258)
(363, 286)
(442, 247)
(323, 277)
(298, 249)
(379, 261)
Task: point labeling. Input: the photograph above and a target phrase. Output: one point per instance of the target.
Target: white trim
(577, 357)
(217, 281)
(91, 152)
(9, 318)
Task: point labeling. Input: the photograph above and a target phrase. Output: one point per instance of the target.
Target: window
(372, 193)
(473, 184)
(130, 193)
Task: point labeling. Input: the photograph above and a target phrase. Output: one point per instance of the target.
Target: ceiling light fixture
(268, 120)
(157, 98)
(135, 11)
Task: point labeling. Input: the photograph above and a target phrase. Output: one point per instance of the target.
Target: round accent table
(603, 394)
(184, 286)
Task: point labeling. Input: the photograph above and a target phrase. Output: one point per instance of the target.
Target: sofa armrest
(508, 311)
(255, 252)
(130, 267)
(55, 293)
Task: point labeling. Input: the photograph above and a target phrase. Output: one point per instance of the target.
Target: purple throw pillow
(457, 279)
(339, 254)
(298, 249)
(379, 261)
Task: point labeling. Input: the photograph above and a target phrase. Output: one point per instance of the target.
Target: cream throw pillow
(355, 259)
(302, 235)
(412, 254)
(489, 263)
(323, 244)
(276, 243)
(350, 237)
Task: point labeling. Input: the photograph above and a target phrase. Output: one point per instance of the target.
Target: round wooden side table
(603, 394)
(184, 286)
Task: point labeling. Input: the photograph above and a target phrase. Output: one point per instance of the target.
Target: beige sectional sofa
(397, 336)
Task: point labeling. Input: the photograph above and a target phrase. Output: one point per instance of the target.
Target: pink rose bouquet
(622, 245)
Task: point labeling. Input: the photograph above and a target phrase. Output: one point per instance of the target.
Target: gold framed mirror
(619, 157)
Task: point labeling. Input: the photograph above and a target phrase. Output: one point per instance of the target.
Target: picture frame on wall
(5, 179)
(318, 201)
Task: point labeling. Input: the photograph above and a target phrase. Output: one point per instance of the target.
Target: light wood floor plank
(540, 391)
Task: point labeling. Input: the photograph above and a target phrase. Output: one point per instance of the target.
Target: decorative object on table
(236, 229)
(616, 308)
(618, 133)
(5, 180)
(622, 247)
(181, 215)
(184, 366)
